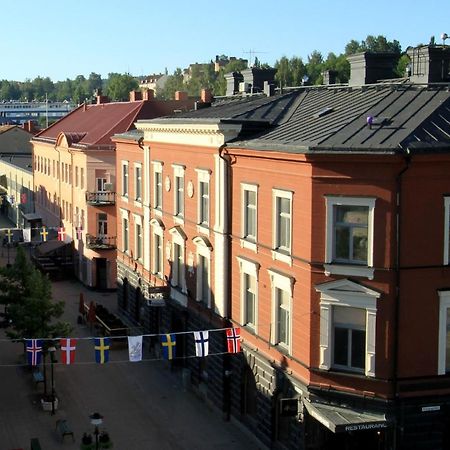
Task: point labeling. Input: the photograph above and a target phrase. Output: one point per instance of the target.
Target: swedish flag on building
(169, 343)
(102, 350)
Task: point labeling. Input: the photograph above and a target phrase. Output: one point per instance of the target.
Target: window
(138, 240)
(203, 197)
(249, 215)
(178, 264)
(248, 293)
(203, 288)
(178, 191)
(282, 225)
(444, 333)
(347, 326)
(282, 290)
(157, 186)
(125, 224)
(203, 279)
(102, 225)
(349, 333)
(125, 178)
(138, 182)
(349, 239)
(76, 176)
(157, 247)
(446, 230)
(81, 177)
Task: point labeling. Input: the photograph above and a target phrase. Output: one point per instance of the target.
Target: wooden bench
(38, 377)
(63, 429)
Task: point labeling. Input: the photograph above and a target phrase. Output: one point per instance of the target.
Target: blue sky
(62, 39)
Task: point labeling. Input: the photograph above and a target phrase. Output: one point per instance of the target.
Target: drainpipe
(407, 160)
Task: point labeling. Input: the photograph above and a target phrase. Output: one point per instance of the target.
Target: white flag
(135, 348)
(26, 234)
(201, 343)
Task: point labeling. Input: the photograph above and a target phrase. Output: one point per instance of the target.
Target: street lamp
(96, 420)
(52, 351)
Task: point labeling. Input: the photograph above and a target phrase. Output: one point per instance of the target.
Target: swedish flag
(101, 350)
(169, 345)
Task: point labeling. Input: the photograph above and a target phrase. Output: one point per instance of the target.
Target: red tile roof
(95, 124)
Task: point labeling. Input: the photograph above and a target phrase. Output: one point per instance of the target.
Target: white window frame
(125, 215)
(125, 180)
(280, 254)
(203, 176)
(158, 230)
(157, 168)
(178, 210)
(446, 231)
(204, 250)
(245, 242)
(343, 268)
(285, 283)
(250, 268)
(444, 305)
(179, 239)
(138, 222)
(138, 199)
(349, 294)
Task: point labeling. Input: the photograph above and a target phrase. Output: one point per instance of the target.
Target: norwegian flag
(233, 340)
(61, 234)
(68, 347)
(34, 351)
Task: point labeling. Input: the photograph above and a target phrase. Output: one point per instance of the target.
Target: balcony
(100, 242)
(101, 198)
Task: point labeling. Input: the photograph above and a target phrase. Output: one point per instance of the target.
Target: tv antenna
(444, 37)
(252, 52)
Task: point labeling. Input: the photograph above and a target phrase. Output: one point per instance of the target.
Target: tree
(119, 86)
(314, 67)
(94, 82)
(29, 304)
(375, 44)
(174, 83)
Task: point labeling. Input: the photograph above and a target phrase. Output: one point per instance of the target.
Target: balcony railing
(99, 198)
(100, 242)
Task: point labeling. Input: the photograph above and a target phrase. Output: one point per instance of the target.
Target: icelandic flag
(34, 351)
(233, 340)
(68, 347)
(135, 348)
(201, 343)
(169, 346)
(101, 350)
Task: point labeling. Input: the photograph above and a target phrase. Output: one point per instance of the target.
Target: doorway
(101, 273)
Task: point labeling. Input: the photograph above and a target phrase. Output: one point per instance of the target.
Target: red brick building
(329, 247)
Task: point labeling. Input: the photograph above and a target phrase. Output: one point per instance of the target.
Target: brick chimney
(148, 94)
(369, 67)
(135, 96)
(206, 96)
(181, 95)
(100, 97)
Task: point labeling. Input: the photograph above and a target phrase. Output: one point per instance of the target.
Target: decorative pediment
(345, 287)
(202, 242)
(158, 223)
(177, 231)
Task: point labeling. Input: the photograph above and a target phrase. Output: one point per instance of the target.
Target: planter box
(47, 406)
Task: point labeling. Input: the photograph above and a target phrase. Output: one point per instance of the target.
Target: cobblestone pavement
(145, 405)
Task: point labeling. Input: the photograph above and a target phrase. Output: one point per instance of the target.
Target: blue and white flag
(34, 351)
(135, 348)
(201, 343)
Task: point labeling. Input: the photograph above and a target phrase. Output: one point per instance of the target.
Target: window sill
(157, 212)
(203, 230)
(138, 203)
(350, 270)
(249, 245)
(124, 198)
(283, 257)
(179, 220)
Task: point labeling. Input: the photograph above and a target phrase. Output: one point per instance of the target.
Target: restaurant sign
(156, 295)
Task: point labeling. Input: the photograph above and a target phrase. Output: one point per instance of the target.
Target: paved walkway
(144, 404)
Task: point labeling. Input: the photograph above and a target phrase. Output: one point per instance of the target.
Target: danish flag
(233, 340)
(61, 233)
(68, 347)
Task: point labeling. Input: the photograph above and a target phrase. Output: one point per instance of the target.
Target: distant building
(15, 112)
(75, 178)
(155, 82)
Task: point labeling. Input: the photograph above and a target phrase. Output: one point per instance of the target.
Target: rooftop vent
(323, 112)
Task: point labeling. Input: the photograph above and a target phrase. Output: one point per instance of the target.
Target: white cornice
(200, 134)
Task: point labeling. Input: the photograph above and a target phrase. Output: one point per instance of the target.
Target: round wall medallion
(190, 189)
(167, 183)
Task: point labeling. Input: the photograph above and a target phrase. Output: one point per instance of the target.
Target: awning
(32, 216)
(342, 420)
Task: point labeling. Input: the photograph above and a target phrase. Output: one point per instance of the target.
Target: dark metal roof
(335, 119)
(258, 108)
